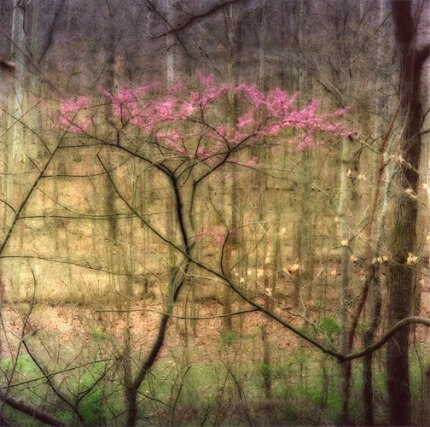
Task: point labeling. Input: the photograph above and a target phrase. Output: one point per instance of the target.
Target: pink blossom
(246, 120)
(73, 105)
(74, 115)
(206, 79)
(253, 93)
(219, 240)
(203, 152)
(191, 124)
(187, 109)
(165, 108)
(306, 142)
(215, 233)
(252, 163)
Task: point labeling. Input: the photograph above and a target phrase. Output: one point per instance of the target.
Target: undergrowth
(183, 390)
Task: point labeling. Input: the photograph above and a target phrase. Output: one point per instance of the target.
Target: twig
(57, 373)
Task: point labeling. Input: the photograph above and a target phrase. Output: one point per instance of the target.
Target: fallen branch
(31, 411)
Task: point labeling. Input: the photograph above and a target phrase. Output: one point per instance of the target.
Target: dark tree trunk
(176, 283)
(368, 339)
(401, 275)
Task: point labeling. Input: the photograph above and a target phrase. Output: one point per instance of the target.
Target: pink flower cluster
(194, 124)
(216, 233)
(73, 116)
(127, 103)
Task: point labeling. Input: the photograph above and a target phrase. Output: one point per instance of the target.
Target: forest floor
(72, 339)
(78, 324)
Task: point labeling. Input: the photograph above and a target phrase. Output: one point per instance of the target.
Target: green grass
(97, 333)
(23, 365)
(305, 386)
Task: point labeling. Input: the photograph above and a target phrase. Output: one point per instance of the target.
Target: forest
(214, 213)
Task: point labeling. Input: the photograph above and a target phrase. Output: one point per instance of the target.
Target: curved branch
(375, 346)
(8, 205)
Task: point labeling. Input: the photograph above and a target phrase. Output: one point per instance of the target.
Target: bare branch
(52, 374)
(67, 262)
(51, 384)
(193, 19)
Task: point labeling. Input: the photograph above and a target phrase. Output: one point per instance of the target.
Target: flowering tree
(184, 134)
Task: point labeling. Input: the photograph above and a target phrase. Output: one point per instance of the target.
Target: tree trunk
(233, 55)
(374, 248)
(109, 82)
(426, 400)
(344, 278)
(15, 159)
(401, 275)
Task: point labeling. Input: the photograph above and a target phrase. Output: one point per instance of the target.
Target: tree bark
(401, 275)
